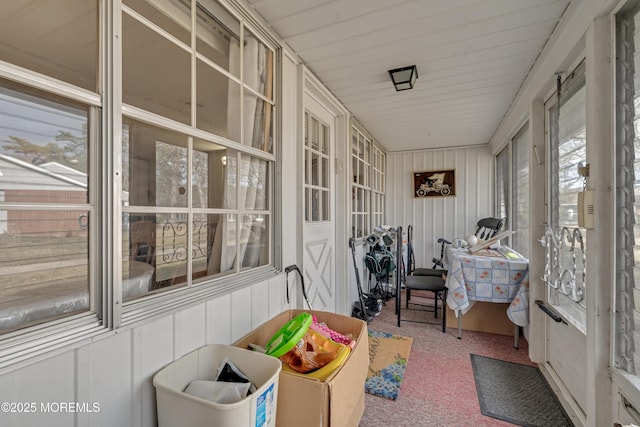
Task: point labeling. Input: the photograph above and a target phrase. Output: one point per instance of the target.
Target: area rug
(516, 393)
(388, 355)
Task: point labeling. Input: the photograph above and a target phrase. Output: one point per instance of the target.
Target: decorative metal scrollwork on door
(565, 261)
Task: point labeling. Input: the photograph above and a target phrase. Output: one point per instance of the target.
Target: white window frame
(368, 181)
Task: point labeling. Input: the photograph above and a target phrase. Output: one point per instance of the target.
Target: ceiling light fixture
(404, 78)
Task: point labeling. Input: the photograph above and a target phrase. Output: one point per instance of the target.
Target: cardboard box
(487, 317)
(338, 401)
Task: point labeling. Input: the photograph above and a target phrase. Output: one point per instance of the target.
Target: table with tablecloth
(488, 275)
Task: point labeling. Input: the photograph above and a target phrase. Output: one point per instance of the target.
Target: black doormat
(516, 393)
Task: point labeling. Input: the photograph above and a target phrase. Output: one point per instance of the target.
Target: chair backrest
(489, 227)
(411, 258)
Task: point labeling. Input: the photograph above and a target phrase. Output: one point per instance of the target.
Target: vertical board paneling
(277, 296)
(49, 382)
(218, 323)
(153, 348)
(106, 366)
(189, 327)
(259, 304)
(241, 313)
(436, 217)
(7, 394)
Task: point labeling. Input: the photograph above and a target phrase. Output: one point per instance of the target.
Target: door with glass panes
(319, 218)
(565, 241)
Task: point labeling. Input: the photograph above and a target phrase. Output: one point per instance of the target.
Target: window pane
(315, 172)
(171, 252)
(218, 34)
(325, 206)
(570, 152)
(156, 73)
(258, 65)
(325, 143)
(307, 167)
(44, 266)
(253, 183)
(154, 165)
(173, 16)
(354, 167)
(212, 168)
(502, 183)
(315, 205)
(258, 122)
(520, 223)
(44, 155)
(204, 237)
(43, 36)
(216, 112)
(325, 173)
(207, 244)
(227, 243)
(254, 239)
(155, 255)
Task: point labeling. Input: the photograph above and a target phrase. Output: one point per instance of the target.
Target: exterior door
(318, 232)
(565, 242)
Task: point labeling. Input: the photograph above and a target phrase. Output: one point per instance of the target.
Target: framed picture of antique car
(440, 183)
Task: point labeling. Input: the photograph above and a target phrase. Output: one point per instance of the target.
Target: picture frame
(436, 183)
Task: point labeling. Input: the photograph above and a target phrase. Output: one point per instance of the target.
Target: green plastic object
(289, 335)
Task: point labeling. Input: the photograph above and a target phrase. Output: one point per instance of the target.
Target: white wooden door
(319, 205)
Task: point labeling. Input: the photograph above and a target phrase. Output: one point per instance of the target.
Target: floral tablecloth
(489, 276)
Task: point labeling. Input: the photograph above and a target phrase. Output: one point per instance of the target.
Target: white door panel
(568, 358)
(319, 216)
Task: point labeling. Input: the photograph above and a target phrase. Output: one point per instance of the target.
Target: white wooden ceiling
(472, 57)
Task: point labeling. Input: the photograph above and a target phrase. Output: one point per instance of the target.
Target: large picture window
(191, 147)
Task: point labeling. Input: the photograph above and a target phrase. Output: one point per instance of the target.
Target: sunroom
(163, 161)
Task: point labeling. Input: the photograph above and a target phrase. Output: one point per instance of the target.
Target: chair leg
(435, 303)
(408, 294)
(444, 311)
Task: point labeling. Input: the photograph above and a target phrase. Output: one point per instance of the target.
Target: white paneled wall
(116, 372)
(435, 217)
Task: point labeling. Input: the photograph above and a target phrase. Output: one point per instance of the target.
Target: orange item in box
(330, 350)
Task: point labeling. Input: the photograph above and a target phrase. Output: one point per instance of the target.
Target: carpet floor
(438, 387)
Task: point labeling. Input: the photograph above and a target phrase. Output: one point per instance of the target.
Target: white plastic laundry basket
(178, 409)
